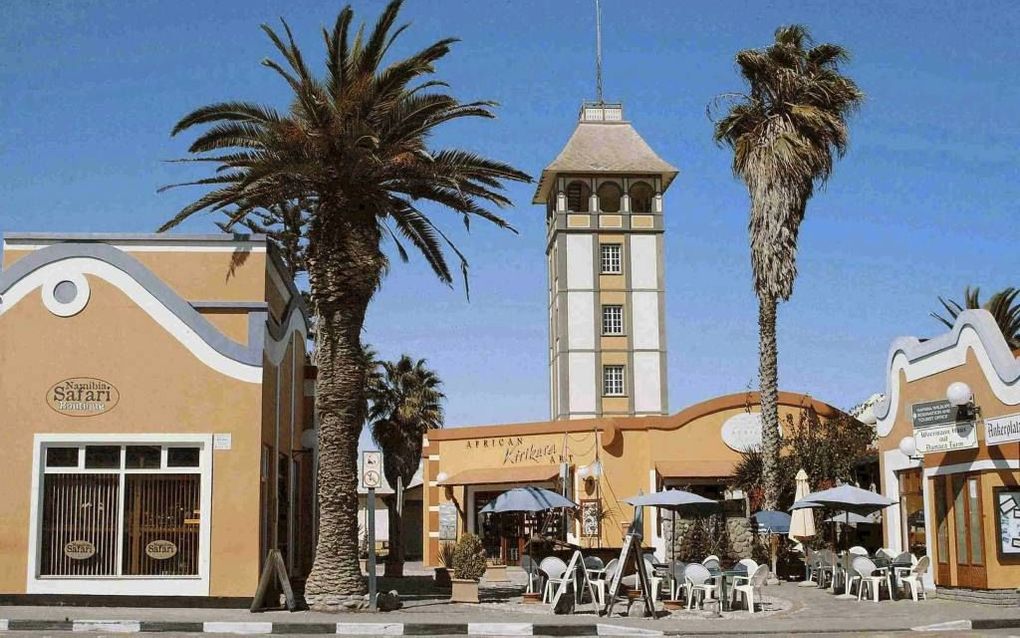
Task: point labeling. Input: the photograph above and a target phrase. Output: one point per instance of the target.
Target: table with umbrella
(773, 524)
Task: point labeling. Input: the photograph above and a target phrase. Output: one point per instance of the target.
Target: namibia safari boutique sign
(82, 396)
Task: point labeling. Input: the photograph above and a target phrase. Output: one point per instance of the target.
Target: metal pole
(370, 523)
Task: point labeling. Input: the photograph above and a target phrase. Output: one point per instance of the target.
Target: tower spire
(598, 52)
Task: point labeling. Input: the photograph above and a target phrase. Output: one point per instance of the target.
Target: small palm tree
(353, 150)
(784, 134)
(1003, 307)
(406, 402)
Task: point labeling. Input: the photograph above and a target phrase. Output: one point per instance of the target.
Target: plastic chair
(750, 567)
(677, 584)
(867, 571)
(900, 565)
(826, 567)
(594, 563)
(655, 582)
(531, 569)
(754, 584)
(711, 562)
(700, 583)
(886, 552)
(857, 550)
(913, 579)
(555, 575)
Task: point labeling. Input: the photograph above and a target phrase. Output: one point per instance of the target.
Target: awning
(694, 469)
(488, 476)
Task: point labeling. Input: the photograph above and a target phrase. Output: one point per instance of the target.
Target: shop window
(182, 457)
(912, 512)
(578, 196)
(609, 197)
(612, 381)
(106, 520)
(62, 457)
(641, 198)
(612, 264)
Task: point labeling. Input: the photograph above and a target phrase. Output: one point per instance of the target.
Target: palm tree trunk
(395, 558)
(768, 375)
(344, 273)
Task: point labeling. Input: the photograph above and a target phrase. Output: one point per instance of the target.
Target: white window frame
(607, 259)
(121, 585)
(612, 326)
(605, 380)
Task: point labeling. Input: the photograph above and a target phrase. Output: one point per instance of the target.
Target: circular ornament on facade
(161, 550)
(742, 432)
(79, 550)
(66, 294)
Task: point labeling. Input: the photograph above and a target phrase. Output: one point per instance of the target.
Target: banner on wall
(1003, 429)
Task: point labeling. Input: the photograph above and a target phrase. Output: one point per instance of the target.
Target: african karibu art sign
(82, 396)
(515, 450)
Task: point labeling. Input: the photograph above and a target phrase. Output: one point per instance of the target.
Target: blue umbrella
(772, 522)
(852, 519)
(527, 499)
(847, 498)
(670, 499)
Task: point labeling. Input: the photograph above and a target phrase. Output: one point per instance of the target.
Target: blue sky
(924, 203)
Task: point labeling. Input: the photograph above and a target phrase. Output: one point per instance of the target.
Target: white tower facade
(604, 215)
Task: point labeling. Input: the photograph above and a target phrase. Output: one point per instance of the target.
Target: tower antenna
(598, 52)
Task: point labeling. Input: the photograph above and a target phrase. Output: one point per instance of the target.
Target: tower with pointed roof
(604, 248)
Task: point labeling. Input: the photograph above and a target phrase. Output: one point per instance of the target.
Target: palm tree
(784, 133)
(405, 404)
(352, 147)
(1003, 307)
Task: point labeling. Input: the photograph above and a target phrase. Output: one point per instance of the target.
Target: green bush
(469, 558)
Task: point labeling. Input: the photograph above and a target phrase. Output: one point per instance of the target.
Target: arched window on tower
(641, 197)
(578, 196)
(609, 197)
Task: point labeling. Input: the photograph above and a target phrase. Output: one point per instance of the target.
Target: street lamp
(959, 394)
(908, 446)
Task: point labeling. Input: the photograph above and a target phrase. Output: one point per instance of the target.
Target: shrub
(446, 552)
(469, 558)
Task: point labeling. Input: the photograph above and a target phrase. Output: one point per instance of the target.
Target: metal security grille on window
(611, 259)
(612, 380)
(612, 320)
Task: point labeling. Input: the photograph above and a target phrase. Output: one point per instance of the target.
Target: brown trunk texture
(768, 375)
(395, 558)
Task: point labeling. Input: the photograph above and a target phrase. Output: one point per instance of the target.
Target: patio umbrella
(527, 499)
(772, 523)
(848, 498)
(849, 518)
(676, 501)
(802, 523)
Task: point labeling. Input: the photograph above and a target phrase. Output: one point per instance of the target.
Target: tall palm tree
(406, 402)
(784, 133)
(353, 148)
(1002, 305)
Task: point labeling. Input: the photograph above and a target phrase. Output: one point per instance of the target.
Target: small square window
(61, 457)
(182, 457)
(612, 381)
(611, 261)
(143, 457)
(612, 320)
(102, 457)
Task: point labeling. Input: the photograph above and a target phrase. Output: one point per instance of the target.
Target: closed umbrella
(802, 522)
(527, 499)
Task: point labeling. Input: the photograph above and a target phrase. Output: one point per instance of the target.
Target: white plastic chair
(867, 571)
(711, 562)
(914, 578)
(677, 584)
(750, 567)
(655, 582)
(555, 575)
(825, 566)
(700, 584)
(886, 552)
(594, 570)
(754, 584)
(901, 569)
(857, 550)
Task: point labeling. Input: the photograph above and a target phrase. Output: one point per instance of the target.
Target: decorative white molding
(974, 329)
(56, 277)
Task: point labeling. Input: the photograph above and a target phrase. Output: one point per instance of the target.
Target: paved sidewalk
(810, 610)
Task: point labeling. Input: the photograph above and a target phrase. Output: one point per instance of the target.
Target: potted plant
(495, 571)
(468, 568)
(446, 559)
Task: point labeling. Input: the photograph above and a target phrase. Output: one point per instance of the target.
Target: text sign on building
(1003, 429)
(447, 522)
(82, 396)
(161, 550)
(936, 428)
(79, 550)
(371, 469)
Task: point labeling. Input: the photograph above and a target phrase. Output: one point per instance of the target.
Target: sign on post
(939, 427)
(371, 478)
(371, 469)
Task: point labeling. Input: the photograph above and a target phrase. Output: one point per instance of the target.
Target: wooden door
(967, 516)
(942, 506)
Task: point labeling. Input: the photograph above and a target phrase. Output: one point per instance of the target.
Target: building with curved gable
(154, 399)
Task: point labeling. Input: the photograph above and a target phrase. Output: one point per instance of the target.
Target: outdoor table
(726, 575)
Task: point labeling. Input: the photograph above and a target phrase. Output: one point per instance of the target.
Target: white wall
(643, 262)
(583, 392)
(645, 317)
(647, 387)
(580, 267)
(580, 321)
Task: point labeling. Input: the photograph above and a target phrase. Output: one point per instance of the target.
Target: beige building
(154, 400)
(955, 469)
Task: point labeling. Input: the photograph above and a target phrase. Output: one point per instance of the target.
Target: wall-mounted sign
(222, 441)
(1008, 502)
(447, 522)
(161, 550)
(79, 550)
(590, 519)
(82, 396)
(371, 469)
(1003, 429)
(743, 432)
(937, 428)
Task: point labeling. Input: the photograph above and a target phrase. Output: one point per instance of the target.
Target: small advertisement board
(939, 427)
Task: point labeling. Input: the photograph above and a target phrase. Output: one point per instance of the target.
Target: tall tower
(607, 322)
